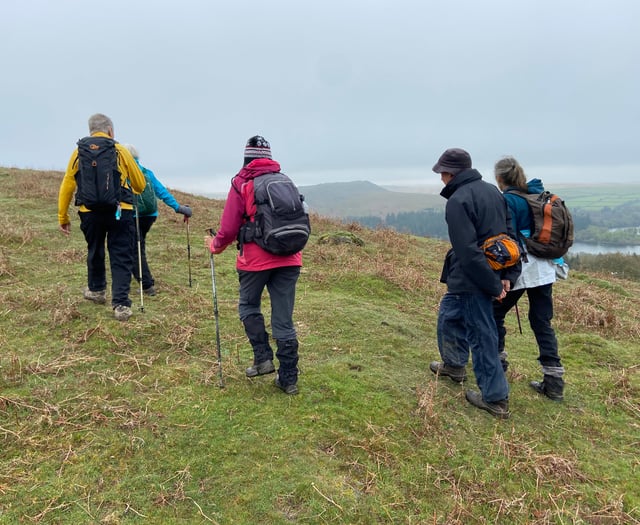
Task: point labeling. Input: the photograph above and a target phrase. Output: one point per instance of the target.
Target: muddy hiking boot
(260, 369)
(151, 291)
(96, 297)
(499, 409)
(122, 312)
(552, 387)
(291, 389)
(455, 373)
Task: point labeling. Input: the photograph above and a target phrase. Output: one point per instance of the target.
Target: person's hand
(208, 239)
(506, 286)
(185, 210)
(502, 295)
(210, 245)
(65, 228)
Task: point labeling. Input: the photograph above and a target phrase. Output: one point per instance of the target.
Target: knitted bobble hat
(257, 148)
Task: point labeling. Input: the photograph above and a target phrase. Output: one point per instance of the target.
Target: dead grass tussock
(52, 505)
(428, 408)
(545, 507)
(58, 365)
(523, 457)
(408, 277)
(8, 237)
(174, 492)
(362, 475)
(624, 393)
(103, 334)
(586, 307)
(6, 268)
(290, 507)
(33, 184)
(179, 337)
(379, 258)
(612, 513)
(65, 310)
(67, 256)
(25, 301)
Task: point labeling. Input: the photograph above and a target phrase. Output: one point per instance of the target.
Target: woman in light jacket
(537, 278)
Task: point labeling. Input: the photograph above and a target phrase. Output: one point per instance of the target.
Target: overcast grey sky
(343, 89)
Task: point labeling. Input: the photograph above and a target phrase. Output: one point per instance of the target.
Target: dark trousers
(465, 324)
(281, 285)
(119, 235)
(540, 316)
(144, 224)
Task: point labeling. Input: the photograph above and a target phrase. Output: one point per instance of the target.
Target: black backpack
(552, 232)
(281, 224)
(98, 180)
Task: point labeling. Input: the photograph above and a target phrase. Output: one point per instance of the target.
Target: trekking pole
(211, 232)
(518, 316)
(186, 219)
(135, 205)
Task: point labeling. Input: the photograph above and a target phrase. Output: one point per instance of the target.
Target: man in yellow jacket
(99, 222)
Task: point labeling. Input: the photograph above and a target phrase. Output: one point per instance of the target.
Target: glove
(185, 210)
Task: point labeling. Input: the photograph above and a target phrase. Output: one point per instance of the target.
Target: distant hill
(363, 198)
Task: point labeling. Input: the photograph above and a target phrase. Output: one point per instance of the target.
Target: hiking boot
(292, 389)
(552, 387)
(455, 373)
(122, 312)
(266, 367)
(151, 291)
(499, 409)
(96, 297)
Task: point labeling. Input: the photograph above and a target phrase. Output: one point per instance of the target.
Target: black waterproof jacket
(475, 211)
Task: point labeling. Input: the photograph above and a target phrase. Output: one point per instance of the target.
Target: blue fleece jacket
(161, 192)
(521, 216)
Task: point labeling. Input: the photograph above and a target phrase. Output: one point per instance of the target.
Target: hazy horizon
(364, 89)
(424, 178)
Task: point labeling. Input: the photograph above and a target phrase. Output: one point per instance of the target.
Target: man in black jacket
(475, 211)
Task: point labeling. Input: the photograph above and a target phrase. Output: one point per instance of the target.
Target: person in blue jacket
(147, 220)
(537, 278)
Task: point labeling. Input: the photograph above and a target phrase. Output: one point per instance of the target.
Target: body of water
(585, 247)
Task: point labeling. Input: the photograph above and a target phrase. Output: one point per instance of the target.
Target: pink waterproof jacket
(239, 205)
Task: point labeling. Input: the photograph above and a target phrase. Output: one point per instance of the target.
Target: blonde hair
(509, 173)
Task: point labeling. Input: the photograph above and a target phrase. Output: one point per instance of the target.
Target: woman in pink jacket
(258, 268)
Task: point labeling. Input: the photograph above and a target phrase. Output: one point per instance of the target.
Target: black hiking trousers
(540, 316)
(145, 222)
(119, 235)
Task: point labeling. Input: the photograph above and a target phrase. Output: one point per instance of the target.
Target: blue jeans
(466, 324)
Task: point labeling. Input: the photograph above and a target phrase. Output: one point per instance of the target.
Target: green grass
(597, 196)
(108, 422)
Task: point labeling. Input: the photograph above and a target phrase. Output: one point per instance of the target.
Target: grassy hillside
(598, 196)
(117, 423)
